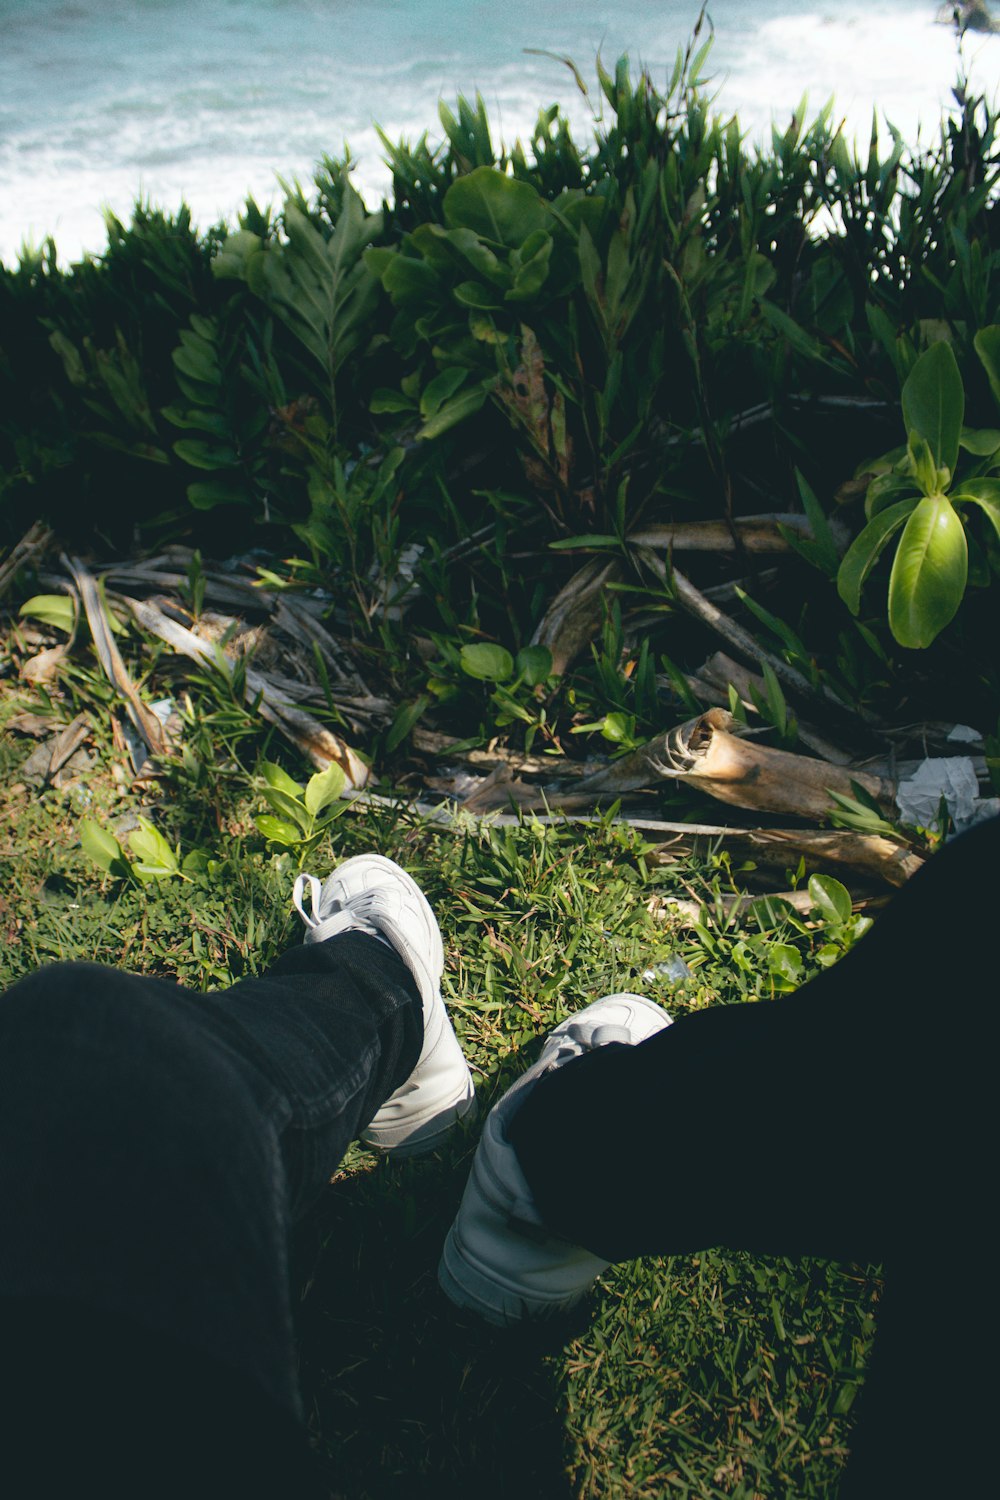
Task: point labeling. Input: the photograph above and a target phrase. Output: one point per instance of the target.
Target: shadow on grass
(404, 1395)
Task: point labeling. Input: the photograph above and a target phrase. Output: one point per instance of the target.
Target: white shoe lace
(352, 915)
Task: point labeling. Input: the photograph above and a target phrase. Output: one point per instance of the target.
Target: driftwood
(572, 619)
(705, 753)
(319, 744)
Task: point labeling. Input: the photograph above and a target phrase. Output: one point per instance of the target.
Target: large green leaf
(487, 663)
(934, 403)
(52, 609)
(459, 249)
(154, 855)
(323, 788)
(864, 551)
(929, 572)
(103, 848)
(502, 210)
(986, 494)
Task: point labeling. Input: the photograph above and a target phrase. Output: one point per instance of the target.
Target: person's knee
(61, 1000)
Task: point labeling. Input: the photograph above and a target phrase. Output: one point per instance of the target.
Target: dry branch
(828, 851)
(706, 754)
(147, 726)
(317, 742)
(763, 533)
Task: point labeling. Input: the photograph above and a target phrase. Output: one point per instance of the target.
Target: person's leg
(814, 1122)
(848, 1120)
(154, 1145)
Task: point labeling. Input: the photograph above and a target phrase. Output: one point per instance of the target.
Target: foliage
(920, 490)
(303, 813)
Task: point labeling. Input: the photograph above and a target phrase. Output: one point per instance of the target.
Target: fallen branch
(764, 533)
(318, 743)
(822, 851)
(145, 723)
(706, 754)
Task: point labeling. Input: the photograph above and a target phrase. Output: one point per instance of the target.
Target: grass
(714, 1374)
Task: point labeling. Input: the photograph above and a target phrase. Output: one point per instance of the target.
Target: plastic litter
(953, 778)
(673, 970)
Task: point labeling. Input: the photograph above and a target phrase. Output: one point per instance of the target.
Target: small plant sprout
(300, 814)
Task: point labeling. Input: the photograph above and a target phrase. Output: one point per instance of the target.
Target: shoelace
(351, 915)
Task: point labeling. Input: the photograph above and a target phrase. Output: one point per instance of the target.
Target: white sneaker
(372, 894)
(499, 1259)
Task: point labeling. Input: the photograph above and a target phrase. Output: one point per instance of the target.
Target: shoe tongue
(602, 1035)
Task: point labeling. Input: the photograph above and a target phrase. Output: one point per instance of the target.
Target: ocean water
(208, 100)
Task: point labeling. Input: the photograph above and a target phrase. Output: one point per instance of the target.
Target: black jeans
(854, 1120)
(154, 1147)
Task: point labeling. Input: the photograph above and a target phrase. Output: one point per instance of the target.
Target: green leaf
(934, 403)
(785, 964)
(800, 341)
(278, 831)
(440, 389)
(570, 543)
(52, 609)
(533, 274)
(487, 663)
(987, 345)
(534, 664)
(103, 848)
(864, 551)
(619, 728)
(323, 788)
(821, 550)
(204, 455)
(292, 809)
(831, 899)
(474, 294)
(884, 490)
(986, 494)
(278, 778)
(154, 855)
(923, 469)
(983, 442)
(206, 495)
(500, 209)
(385, 400)
(929, 573)
(455, 411)
(406, 717)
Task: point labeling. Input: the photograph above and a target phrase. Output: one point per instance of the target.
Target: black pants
(855, 1120)
(155, 1146)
